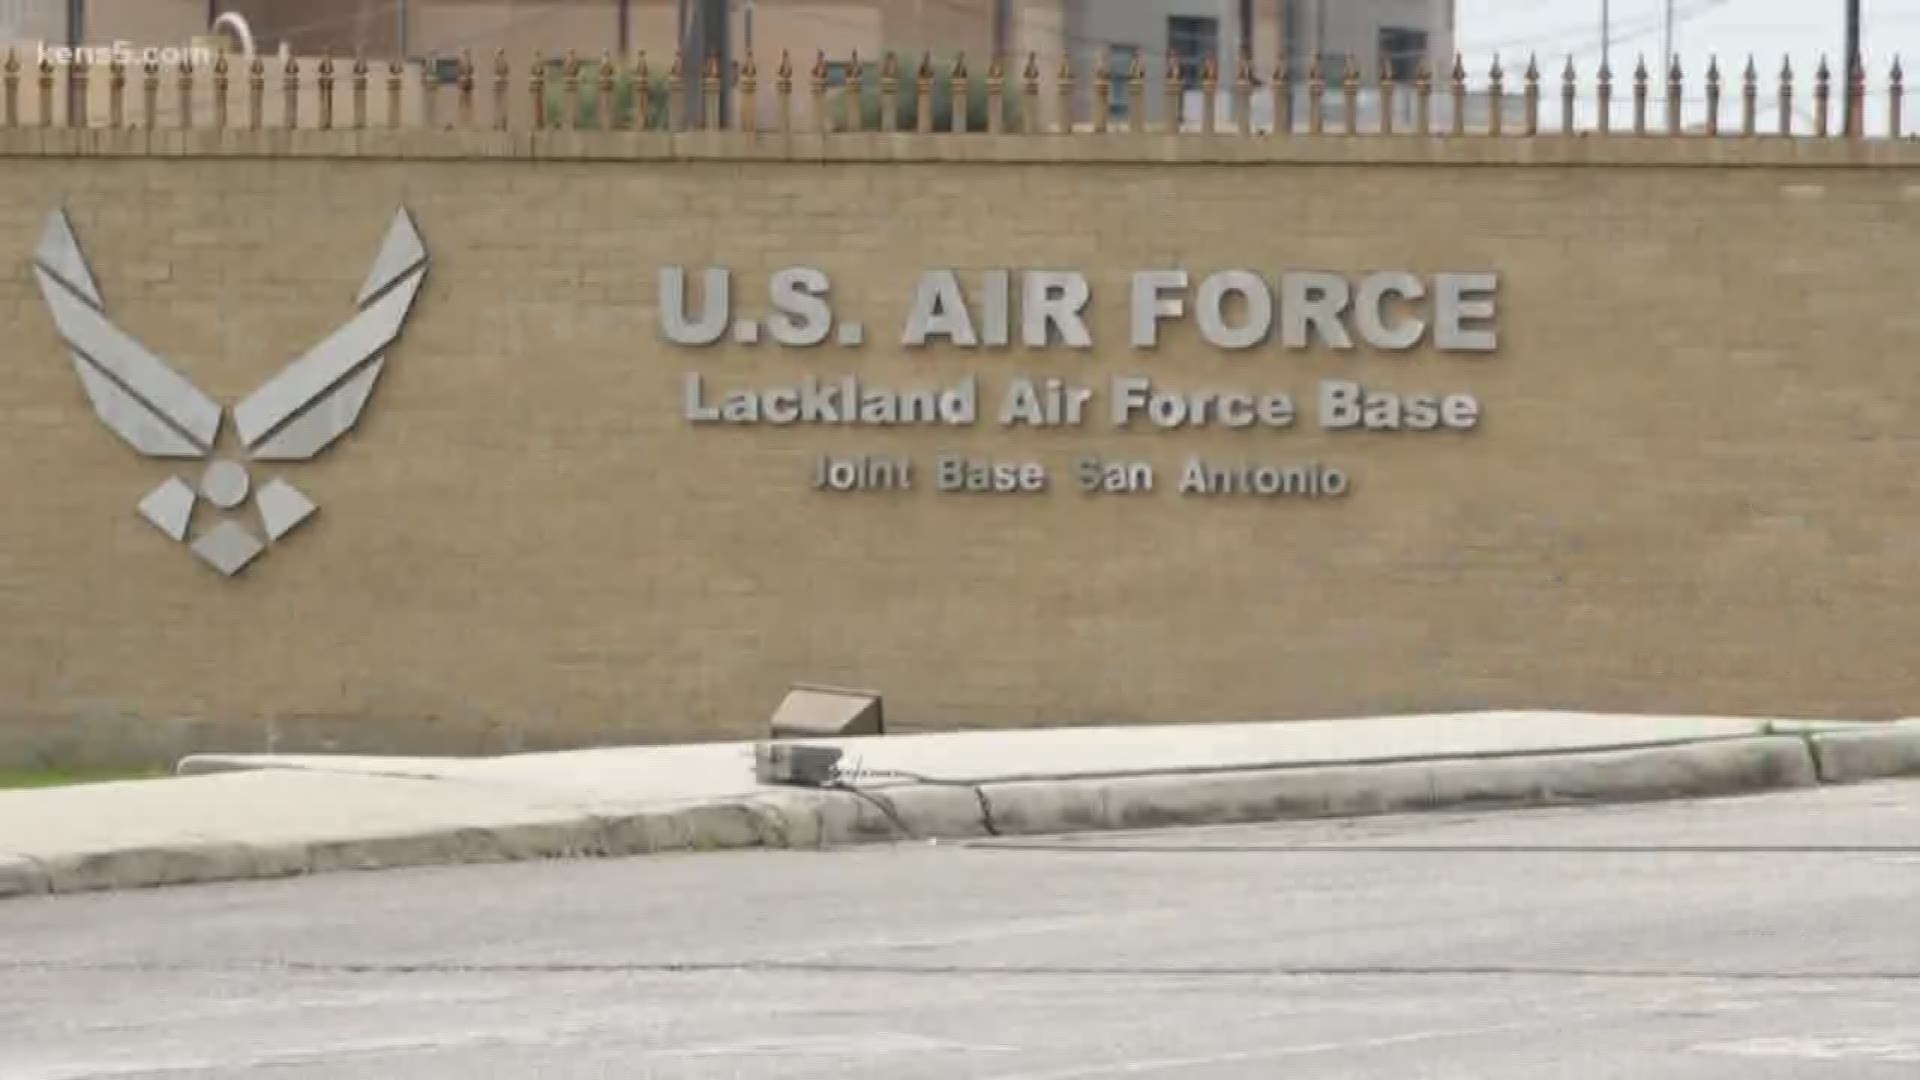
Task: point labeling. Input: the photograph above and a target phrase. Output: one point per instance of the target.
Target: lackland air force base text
(1340, 405)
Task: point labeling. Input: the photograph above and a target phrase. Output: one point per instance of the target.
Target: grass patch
(55, 777)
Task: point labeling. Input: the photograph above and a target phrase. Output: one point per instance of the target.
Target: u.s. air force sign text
(1233, 311)
(299, 412)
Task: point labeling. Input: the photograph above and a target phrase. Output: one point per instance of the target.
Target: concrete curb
(1690, 771)
(1845, 757)
(812, 818)
(21, 877)
(750, 823)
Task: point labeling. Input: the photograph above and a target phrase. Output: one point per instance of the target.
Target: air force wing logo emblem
(298, 413)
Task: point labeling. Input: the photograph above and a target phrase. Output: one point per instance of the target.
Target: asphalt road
(1755, 938)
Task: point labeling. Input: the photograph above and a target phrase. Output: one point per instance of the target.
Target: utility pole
(704, 35)
(1666, 41)
(1855, 107)
(1606, 34)
(76, 37)
(1289, 66)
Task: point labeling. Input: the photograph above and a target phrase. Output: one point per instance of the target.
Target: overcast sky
(1731, 28)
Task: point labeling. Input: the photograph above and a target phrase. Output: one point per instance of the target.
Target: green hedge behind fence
(625, 99)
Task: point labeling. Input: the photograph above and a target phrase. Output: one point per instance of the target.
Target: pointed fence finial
(183, 81)
(1715, 92)
(1316, 96)
(1749, 97)
(783, 89)
(116, 96)
(1423, 96)
(10, 90)
(817, 91)
(361, 72)
(570, 90)
(855, 98)
(1030, 94)
(747, 114)
(676, 95)
(959, 91)
(996, 96)
(1283, 92)
(1532, 79)
(1674, 79)
(1496, 98)
(1102, 90)
(712, 85)
(1822, 96)
(256, 92)
(1606, 97)
(643, 96)
(1349, 96)
(1786, 96)
(889, 92)
(1173, 86)
(46, 90)
(537, 91)
(1459, 94)
(1569, 95)
(1243, 92)
(463, 81)
(1063, 85)
(1209, 92)
(290, 91)
(923, 94)
(501, 83)
(604, 105)
(221, 83)
(1136, 92)
(1896, 97)
(1386, 94)
(77, 89)
(324, 85)
(1856, 97)
(1640, 80)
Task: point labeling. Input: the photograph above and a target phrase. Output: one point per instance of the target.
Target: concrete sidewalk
(233, 817)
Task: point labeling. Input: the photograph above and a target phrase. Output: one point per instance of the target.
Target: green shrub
(942, 98)
(625, 97)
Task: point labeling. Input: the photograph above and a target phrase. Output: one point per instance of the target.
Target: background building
(435, 32)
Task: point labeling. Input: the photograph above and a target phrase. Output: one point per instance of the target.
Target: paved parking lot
(1748, 938)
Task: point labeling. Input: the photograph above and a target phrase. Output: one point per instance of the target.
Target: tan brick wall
(1693, 490)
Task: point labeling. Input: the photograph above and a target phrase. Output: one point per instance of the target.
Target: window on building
(1119, 64)
(1401, 49)
(1192, 39)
